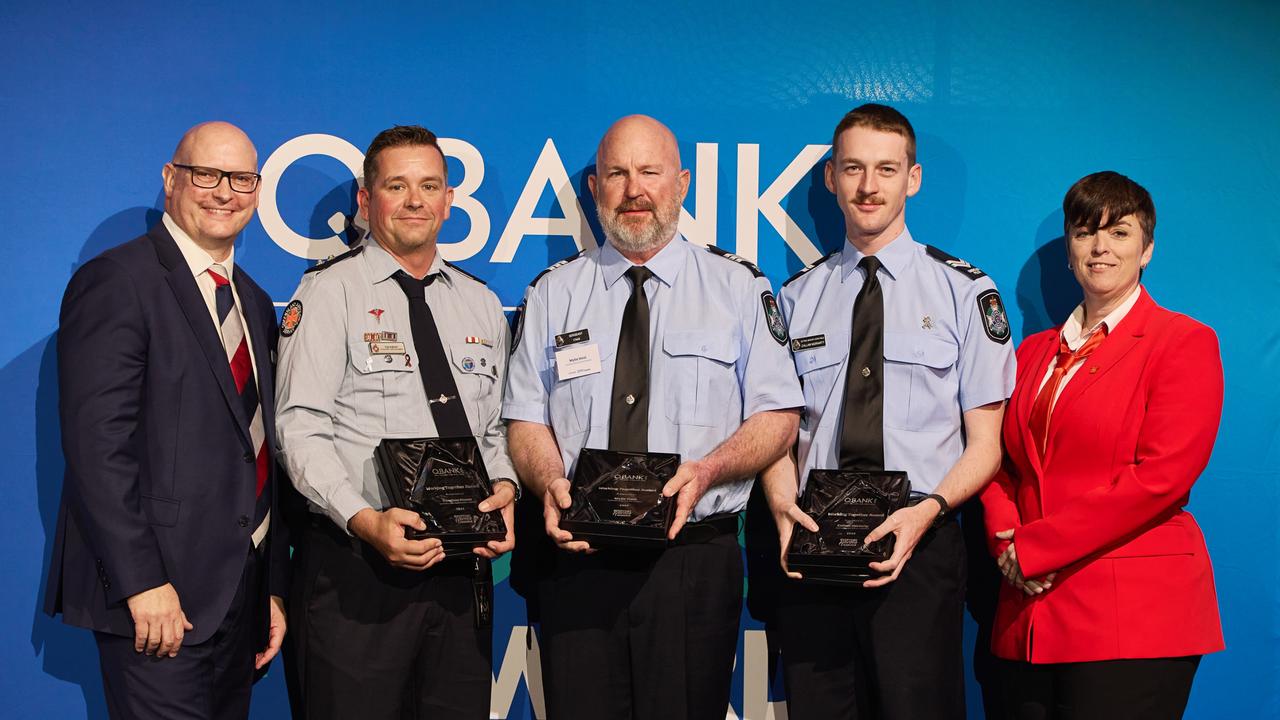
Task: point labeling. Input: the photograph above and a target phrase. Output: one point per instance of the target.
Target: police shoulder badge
(773, 316)
(291, 318)
(994, 319)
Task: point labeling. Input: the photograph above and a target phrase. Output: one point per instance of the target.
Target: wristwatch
(943, 512)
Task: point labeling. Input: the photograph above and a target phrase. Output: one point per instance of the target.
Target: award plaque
(443, 480)
(846, 505)
(617, 498)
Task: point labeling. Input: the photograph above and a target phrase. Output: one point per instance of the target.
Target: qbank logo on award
(699, 226)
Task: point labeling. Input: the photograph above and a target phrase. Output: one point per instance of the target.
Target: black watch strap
(942, 503)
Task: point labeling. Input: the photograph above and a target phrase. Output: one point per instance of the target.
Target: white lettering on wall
(269, 212)
(769, 203)
(547, 169)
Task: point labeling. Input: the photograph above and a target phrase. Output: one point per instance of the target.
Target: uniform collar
(382, 265)
(665, 265)
(893, 257)
(197, 259)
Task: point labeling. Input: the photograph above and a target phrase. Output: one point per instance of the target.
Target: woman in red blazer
(1110, 601)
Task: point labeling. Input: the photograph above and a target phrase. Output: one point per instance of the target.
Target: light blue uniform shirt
(713, 359)
(940, 360)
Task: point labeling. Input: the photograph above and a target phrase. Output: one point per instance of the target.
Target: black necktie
(629, 409)
(433, 365)
(862, 431)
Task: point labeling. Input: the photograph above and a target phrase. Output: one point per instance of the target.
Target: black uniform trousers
(209, 681)
(643, 635)
(381, 643)
(893, 652)
(1141, 689)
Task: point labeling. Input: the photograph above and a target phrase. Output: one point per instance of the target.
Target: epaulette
(736, 258)
(556, 266)
(334, 260)
(955, 263)
(464, 272)
(807, 268)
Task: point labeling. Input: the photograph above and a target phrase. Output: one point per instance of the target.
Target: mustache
(633, 205)
(871, 199)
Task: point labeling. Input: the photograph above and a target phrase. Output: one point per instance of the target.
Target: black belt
(707, 529)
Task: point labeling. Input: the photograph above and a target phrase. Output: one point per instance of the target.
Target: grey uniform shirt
(348, 374)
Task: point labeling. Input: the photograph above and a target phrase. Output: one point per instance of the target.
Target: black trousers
(893, 652)
(1147, 689)
(209, 681)
(642, 635)
(379, 642)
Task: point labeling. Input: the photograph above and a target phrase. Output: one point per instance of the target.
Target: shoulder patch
(809, 267)
(736, 258)
(955, 263)
(291, 318)
(329, 261)
(557, 266)
(464, 272)
(994, 319)
(773, 317)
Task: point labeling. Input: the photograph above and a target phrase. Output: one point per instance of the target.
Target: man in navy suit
(166, 546)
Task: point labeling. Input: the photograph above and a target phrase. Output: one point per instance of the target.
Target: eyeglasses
(207, 177)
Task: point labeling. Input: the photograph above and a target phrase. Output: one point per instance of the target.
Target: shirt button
(630, 399)
(244, 521)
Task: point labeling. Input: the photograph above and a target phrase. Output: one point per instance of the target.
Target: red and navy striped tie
(236, 344)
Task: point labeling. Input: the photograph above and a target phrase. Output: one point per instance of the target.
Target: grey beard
(642, 239)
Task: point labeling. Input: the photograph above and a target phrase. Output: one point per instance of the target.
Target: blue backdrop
(1012, 103)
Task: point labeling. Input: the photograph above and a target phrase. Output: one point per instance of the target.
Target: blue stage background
(1012, 101)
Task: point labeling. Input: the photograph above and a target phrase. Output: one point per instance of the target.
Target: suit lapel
(184, 288)
(1027, 398)
(1126, 336)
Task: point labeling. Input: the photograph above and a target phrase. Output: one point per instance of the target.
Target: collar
(1074, 332)
(382, 265)
(197, 258)
(893, 257)
(665, 265)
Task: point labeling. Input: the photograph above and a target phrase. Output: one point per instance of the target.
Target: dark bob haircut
(1111, 195)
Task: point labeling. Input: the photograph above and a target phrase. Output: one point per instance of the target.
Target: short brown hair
(399, 136)
(882, 118)
(1111, 194)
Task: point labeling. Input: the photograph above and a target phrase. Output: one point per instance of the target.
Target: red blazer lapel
(1126, 336)
(1026, 398)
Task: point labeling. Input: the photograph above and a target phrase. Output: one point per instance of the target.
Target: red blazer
(1128, 437)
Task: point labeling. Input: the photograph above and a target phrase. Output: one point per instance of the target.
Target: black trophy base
(617, 499)
(846, 505)
(443, 480)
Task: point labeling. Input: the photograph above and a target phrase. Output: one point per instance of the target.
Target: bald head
(639, 131)
(215, 133)
(638, 186)
(211, 216)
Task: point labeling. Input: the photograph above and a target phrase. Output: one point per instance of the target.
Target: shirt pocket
(387, 393)
(571, 401)
(818, 370)
(701, 380)
(920, 386)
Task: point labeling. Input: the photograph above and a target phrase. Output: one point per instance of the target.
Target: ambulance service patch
(773, 316)
(291, 318)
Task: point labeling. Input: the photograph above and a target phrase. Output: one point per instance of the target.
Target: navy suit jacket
(160, 479)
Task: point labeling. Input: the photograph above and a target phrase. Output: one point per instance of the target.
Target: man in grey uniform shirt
(392, 626)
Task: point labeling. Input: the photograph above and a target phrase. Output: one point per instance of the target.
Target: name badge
(577, 361)
(808, 343)
(572, 338)
(386, 348)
